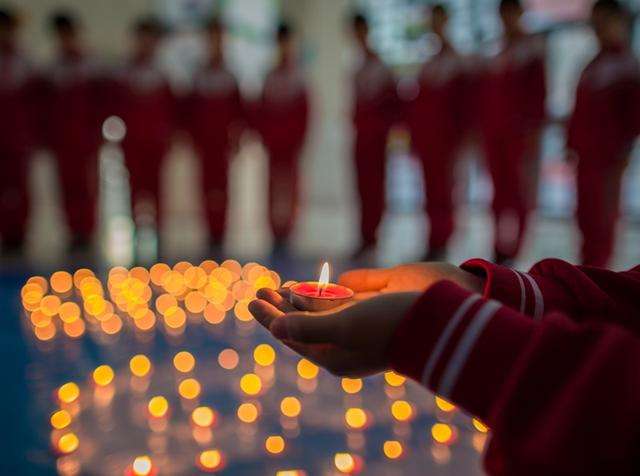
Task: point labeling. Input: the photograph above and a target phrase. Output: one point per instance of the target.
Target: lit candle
(319, 295)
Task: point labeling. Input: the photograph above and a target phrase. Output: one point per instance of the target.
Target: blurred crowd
(497, 100)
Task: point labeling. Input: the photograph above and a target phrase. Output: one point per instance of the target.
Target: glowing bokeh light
(247, 412)
(392, 449)
(393, 379)
(68, 443)
(251, 384)
(264, 355)
(402, 410)
(228, 359)
(356, 418)
(274, 444)
(140, 365)
(442, 433)
(290, 407)
(307, 369)
(103, 375)
(158, 406)
(69, 392)
(189, 388)
(444, 405)
(351, 385)
(184, 361)
(60, 419)
(142, 466)
(203, 416)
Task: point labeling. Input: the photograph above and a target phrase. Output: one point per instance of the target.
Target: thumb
(306, 328)
(367, 279)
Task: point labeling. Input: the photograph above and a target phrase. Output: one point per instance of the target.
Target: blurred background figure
(375, 110)
(145, 102)
(282, 119)
(511, 115)
(16, 135)
(603, 128)
(436, 120)
(71, 129)
(214, 114)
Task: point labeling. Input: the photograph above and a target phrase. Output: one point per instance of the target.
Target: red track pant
(438, 162)
(370, 160)
(598, 209)
(512, 163)
(283, 189)
(14, 195)
(78, 172)
(144, 161)
(215, 169)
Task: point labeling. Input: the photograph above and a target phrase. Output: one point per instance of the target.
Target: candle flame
(323, 281)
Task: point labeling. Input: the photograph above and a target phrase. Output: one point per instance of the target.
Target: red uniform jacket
(550, 359)
(376, 105)
(512, 88)
(18, 99)
(213, 107)
(606, 117)
(284, 109)
(438, 112)
(143, 99)
(73, 109)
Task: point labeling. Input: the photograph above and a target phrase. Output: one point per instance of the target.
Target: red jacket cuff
(519, 291)
(460, 346)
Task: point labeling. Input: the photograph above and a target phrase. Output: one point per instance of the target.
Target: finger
(264, 312)
(285, 293)
(361, 280)
(307, 328)
(276, 299)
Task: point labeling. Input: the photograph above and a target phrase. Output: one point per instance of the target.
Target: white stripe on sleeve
(523, 293)
(445, 336)
(462, 351)
(539, 309)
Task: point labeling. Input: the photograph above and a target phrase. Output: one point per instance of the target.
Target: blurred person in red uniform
(602, 130)
(16, 135)
(511, 115)
(145, 102)
(72, 129)
(281, 120)
(435, 119)
(214, 113)
(549, 360)
(375, 109)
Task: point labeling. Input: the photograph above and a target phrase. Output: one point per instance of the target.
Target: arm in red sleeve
(559, 397)
(582, 293)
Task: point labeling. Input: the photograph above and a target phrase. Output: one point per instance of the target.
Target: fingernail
(279, 330)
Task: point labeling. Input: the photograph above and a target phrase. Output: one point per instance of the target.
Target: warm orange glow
(157, 272)
(222, 276)
(393, 379)
(142, 466)
(61, 282)
(39, 281)
(165, 302)
(38, 319)
(442, 433)
(74, 329)
(402, 410)
(355, 418)
(45, 333)
(307, 370)
(80, 275)
(195, 277)
(69, 312)
(392, 449)
(228, 359)
(478, 425)
(68, 393)
(203, 416)
(50, 305)
(146, 321)
(182, 266)
(60, 419)
(68, 443)
(111, 325)
(184, 361)
(290, 407)
(103, 375)
(208, 265)
(344, 462)
(189, 388)
(264, 355)
(173, 283)
(94, 304)
(247, 412)
(241, 310)
(141, 274)
(195, 302)
(251, 384)
(265, 281)
(213, 314)
(351, 385)
(444, 405)
(274, 444)
(175, 317)
(210, 460)
(140, 365)
(158, 407)
(291, 472)
(215, 292)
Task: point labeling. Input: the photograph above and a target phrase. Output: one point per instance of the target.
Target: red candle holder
(315, 296)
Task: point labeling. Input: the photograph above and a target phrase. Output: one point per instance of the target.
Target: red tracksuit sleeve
(582, 293)
(560, 397)
(535, 102)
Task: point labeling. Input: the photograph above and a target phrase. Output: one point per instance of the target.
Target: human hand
(408, 277)
(352, 340)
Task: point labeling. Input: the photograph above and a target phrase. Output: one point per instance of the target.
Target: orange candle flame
(323, 281)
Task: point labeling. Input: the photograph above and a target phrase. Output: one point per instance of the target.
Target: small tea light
(319, 295)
